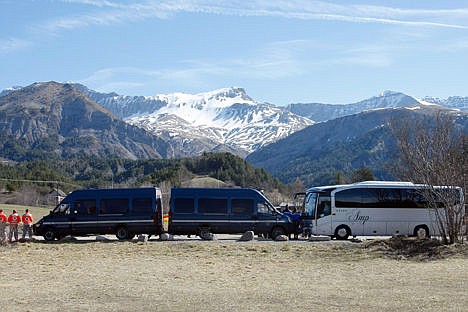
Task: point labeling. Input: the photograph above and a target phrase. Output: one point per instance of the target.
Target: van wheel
(342, 232)
(421, 232)
(49, 235)
(205, 234)
(122, 233)
(277, 231)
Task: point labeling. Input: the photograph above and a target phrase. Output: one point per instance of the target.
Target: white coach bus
(370, 209)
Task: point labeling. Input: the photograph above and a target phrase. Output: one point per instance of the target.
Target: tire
(205, 234)
(122, 233)
(342, 232)
(50, 235)
(277, 231)
(421, 231)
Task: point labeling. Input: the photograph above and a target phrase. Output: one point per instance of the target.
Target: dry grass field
(226, 275)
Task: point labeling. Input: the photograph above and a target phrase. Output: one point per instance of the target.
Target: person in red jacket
(14, 219)
(27, 219)
(3, 222)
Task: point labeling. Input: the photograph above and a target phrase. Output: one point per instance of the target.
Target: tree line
(93, 172)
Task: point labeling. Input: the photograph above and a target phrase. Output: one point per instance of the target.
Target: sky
(279, 51)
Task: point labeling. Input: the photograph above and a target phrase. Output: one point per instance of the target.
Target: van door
(83, 217)
(113, 212)
(242, 216)
(213, 214)
(59, 220)
(265, 219)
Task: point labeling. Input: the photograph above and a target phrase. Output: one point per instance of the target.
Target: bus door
(323, 215)
(83, 217)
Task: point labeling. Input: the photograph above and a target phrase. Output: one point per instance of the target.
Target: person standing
(14, 219)
(27, 220)
(3, 222)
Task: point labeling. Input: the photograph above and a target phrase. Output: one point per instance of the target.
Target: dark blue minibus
(207, 211)
(123, 212)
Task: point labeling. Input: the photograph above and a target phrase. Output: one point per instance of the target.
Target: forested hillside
(92, 172)
(318, 153)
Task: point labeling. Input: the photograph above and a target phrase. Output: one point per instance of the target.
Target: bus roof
(371, 184)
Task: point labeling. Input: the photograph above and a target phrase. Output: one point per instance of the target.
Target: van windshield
(61, 208)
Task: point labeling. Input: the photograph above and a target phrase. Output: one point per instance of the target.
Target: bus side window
(324, 207)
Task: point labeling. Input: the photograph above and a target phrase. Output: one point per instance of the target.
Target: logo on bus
(357, 217)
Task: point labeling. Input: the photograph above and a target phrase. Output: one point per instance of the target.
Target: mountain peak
(216, 99)
(390, 93)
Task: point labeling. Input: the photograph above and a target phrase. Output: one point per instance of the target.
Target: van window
(263, 208)
(62, 209)
(114, 206)
(184, 205)
(242, 206)
(85, 206)
(142, 205)
(212, 205)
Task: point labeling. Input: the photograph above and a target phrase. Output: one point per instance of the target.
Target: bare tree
(361, 174)
(430, 151)
(28, 195)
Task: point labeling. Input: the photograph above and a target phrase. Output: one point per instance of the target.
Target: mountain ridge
(316, 153)
(71, 124)
(226, 119)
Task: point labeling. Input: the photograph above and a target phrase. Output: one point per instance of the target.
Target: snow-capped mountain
(387, 99)
(9, 90)
(324, 112)
(454, 102)
(225, 119)
(229, 120)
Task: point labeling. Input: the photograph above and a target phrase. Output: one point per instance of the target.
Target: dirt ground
(195, 275)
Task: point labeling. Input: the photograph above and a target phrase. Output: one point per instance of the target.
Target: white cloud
(275, 61)
(13, 44)
(111, 12)
(293, 9)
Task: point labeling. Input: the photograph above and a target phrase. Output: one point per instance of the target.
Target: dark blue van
(123, 212)
(207, 211)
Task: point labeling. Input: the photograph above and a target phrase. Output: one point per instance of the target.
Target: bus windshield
(309, 204)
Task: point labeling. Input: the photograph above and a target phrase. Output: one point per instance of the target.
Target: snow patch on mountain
(224, 117)
(454, 102)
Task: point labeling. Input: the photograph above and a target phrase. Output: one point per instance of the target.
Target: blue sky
(280, 51)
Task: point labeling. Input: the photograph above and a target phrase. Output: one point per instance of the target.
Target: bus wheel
(421, 231)
(122, 233)
(205, 234)
(277, 231)
(49, 235)
(342, 232)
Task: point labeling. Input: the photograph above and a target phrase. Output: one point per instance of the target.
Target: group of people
(295, 218)
(13, 221)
